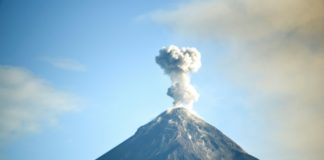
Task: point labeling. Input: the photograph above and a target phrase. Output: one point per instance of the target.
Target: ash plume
(178, 63)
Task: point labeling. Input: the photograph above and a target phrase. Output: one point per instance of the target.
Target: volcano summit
(177, 134)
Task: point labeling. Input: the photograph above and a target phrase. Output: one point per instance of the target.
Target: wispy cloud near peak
(67, 64)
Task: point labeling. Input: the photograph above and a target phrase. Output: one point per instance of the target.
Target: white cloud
(67, 64)
(28, 103)
(244, 20)
(277, 57)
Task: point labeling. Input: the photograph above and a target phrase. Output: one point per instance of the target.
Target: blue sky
(119, 86)
(92, 78)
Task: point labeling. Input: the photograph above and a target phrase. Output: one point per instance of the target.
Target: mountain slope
(177, 134)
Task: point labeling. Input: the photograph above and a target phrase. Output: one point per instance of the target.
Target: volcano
(177, 134)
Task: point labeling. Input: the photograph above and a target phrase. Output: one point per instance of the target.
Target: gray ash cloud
(178, 63)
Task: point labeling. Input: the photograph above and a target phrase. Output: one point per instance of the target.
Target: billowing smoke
(178, 63)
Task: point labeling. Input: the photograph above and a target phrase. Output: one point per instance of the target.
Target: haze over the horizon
(275, 55)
